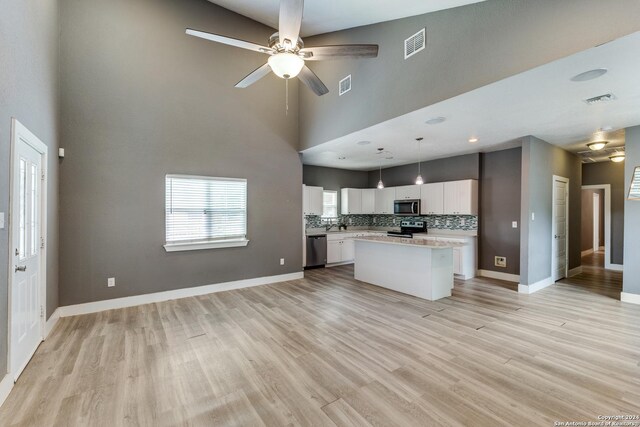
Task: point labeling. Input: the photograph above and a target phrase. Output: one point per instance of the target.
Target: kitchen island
(412, 266)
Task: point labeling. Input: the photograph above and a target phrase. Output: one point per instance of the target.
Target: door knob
(21, 268)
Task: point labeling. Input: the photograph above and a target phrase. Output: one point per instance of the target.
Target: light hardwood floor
(329, 350)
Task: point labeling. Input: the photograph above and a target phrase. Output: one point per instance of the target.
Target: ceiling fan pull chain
(286, 91)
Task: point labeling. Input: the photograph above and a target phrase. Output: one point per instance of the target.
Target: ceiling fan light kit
(287, 51)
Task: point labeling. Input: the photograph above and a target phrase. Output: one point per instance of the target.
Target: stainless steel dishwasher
(316, 250)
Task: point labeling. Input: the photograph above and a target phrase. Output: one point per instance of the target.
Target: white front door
(26, 228)
(559, 229)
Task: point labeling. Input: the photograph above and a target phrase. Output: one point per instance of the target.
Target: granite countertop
(410, 242)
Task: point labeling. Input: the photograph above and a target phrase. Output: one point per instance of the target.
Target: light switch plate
(533, 216)
(1, 220)
(111, 282)
(514, 224)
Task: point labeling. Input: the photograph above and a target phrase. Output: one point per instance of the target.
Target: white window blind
(329, 204)
(204, 209)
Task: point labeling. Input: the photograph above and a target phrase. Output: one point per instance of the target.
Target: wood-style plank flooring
(328, 350)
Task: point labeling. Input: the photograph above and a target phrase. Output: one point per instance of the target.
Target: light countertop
(410, 242)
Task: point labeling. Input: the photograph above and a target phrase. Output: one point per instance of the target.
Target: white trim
(596, 221)
(586, 252)
(18, 130)
(97, 306)
(51, 322)
(615, 267)
(6, 385)
(175, 247)
(631, 298)
(499, 275)
(338, 264)
(535, 287)
(607, 223)
(553, 223)
(575, 271)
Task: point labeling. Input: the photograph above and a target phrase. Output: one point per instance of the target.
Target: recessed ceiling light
(597, 145)
(473, 140)
(436, 120)
(364, 142)
(617, 158)
(589, 75)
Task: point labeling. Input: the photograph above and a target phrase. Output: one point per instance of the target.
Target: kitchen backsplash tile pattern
(438, 222)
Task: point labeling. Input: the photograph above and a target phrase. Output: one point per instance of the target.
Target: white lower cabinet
(341, 248)
(348, 250)
(334, 251)
(465, 257)
(457, 261)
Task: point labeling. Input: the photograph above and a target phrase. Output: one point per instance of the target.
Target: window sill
(175, 247)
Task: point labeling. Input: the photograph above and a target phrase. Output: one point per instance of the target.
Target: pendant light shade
(380, 183)
(419, 180)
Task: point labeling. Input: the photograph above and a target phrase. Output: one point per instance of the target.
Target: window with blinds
(205, 212)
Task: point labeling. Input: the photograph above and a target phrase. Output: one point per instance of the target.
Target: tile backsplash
(438, 222)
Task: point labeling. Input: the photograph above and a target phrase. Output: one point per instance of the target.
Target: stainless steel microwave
(406, 207)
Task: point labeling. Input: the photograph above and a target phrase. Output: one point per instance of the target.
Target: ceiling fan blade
(290, 21)
(230, 41)
(320, 53)
(254, 76)
(312, 81)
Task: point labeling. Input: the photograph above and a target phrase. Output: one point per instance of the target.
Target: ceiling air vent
(345, 85)
(600, 99)
(414, 44)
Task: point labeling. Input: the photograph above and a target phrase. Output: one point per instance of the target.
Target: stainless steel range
(409, 228)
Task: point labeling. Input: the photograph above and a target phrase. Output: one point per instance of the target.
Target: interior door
(559, 229)
(26, 320)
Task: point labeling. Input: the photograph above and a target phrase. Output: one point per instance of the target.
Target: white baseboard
(499, 275)
(601, 248)
(51, 322)
(5, 388)
(631, 298)
(614, 267)
(337, 264)
(575, 271)
(534, 287)
(94, 307)
(587, 252)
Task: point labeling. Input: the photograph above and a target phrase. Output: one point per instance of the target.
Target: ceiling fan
(287, 54)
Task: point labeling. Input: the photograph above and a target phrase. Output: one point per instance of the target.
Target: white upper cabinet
(384, 200)
(432, 199)
(350, 201)
(461, 197)
(368, 201)
(311, 200)
(408, 192)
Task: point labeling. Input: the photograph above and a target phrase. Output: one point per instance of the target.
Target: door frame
(19, 131)
(553, 226)
(595, 206)
(607, 224)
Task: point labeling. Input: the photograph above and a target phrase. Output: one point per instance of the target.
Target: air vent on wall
(345, 85)
(414, 44)
(600, 99)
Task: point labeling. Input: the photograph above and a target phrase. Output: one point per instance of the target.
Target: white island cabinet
(414, 267)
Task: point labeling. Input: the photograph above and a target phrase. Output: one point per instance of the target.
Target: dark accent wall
(441, 170)
(540, 161)
(631, 276)
(587, 218)
(501, 38)
(333, 179)
(28, 92)
(140, 99)
(613, 174)
(500, 193)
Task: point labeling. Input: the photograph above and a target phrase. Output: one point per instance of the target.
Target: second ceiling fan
(287, 54)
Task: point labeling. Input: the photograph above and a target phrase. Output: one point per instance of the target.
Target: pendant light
(380, 183)
(419, 180)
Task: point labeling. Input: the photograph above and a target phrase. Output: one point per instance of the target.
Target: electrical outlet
(500, 261)
(111, 282)
(514, 224)
(281, 261)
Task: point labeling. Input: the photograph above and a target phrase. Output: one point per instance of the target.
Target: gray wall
(613, 174)
(334, 179)
(500, 38)
(441, 170)
(587, 219)
(140, 99)
(28, 92)
(540, 161)
(500, 174)
(631, 277)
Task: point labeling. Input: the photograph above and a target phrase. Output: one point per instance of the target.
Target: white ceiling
(542, 102)
(324, 16)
